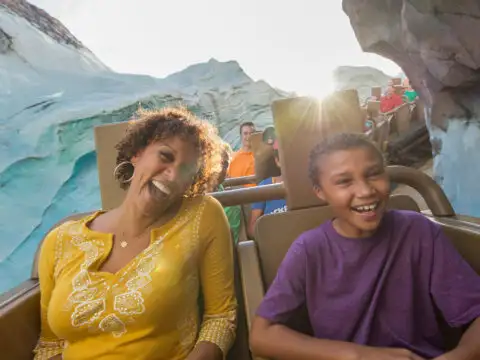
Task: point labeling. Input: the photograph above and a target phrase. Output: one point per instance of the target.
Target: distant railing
(243, 180)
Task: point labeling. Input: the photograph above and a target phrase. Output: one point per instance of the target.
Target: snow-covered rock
(53, 92)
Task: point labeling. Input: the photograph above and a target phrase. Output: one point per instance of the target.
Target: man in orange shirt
(243, 161)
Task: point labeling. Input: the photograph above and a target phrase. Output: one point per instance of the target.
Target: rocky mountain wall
(436, 44)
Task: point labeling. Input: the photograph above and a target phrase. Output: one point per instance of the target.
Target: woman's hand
(371, 353)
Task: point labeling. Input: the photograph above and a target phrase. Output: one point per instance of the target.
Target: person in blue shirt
(269, 206)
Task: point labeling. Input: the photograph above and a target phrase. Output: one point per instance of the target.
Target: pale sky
(293, 45)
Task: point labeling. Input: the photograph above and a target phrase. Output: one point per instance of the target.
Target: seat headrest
(373, 108)
(377, 92)
(300, 124)
(106, 137)
(265, 166)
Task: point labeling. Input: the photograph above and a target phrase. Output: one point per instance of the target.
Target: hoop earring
(123, 163)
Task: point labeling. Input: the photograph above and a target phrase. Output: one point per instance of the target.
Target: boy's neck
(347, 230)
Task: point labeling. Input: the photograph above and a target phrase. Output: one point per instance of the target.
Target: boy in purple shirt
(372, 280)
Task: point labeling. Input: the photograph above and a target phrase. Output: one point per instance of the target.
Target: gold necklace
(124, 243)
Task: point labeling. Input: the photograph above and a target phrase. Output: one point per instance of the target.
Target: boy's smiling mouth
(366, 208)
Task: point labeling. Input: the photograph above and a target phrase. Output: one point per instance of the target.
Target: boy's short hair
(338, 142)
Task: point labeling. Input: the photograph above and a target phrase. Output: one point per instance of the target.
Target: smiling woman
(163, 127)
(126, 283)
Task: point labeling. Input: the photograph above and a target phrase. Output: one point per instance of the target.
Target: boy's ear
(319, 193)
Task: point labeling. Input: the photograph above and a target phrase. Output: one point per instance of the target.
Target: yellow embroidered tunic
(149, 309)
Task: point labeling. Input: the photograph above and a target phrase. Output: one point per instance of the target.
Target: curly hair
(150, 126)
(338, 142)
(226, 154)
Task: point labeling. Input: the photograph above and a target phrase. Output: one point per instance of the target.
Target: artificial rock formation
(436, 44)
(42, 21)
(361, 78)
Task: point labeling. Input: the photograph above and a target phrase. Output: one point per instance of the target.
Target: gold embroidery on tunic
(87, 312)
(87, 301)
(113, 324)
(130, 303)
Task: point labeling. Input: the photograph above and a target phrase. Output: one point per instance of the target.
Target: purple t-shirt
(377, 291)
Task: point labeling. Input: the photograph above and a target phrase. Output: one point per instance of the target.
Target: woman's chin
(155, 194)
(152, 207)
(152, 199)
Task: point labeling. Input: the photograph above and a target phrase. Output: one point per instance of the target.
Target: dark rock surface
(436, 44)
(6, 42)
(434, 41)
